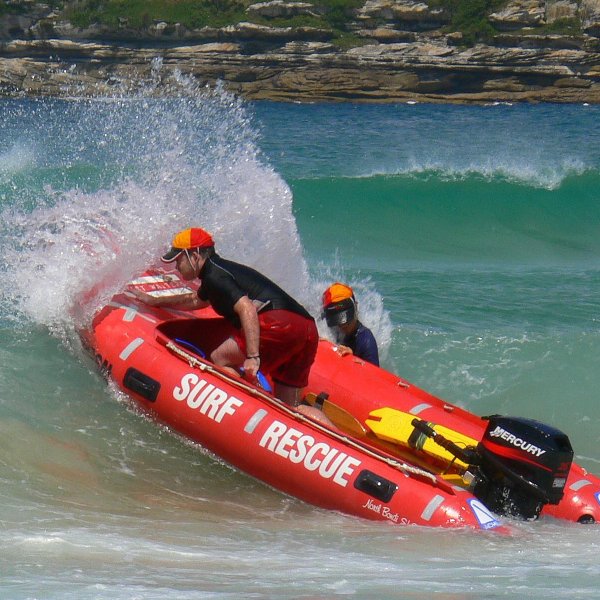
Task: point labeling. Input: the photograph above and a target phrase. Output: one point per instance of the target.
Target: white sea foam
(17, 158)
(509, 169)
(175, 163)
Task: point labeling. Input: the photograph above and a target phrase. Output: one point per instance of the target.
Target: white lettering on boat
(385, 511)
(301, 448)
(205, 397)
(517, 442)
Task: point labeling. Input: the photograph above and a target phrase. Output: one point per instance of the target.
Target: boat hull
(147, 352)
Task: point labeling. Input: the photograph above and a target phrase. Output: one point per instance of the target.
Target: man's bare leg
(287, 394)
(229, 356)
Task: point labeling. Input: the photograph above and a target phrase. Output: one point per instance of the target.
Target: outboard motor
(522, 464)
(519, 466)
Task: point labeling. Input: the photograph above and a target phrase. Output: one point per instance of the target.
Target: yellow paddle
(340, 416)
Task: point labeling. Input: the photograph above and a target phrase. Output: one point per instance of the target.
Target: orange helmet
(339, 305)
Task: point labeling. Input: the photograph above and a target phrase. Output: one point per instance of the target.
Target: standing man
(273, 332)
(341, 314)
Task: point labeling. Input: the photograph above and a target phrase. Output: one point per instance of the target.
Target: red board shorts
(288, 346)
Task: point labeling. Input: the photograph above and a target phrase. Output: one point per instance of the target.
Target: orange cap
(194, 237)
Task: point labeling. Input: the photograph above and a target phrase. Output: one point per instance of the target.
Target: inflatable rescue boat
(396, 454)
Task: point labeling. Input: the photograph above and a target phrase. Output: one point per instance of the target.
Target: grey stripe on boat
(255, 419)
(131, 312)
(431, 507)
(579, 484)
(415, 410)
(130, 348)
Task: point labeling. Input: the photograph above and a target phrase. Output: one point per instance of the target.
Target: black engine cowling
(523, 465)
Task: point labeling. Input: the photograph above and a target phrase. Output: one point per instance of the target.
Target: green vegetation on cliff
(196, 13)
(142, 13)
(22, 7)
(334, 15)
(469, 17)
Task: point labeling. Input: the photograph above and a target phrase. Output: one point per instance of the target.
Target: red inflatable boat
(396, 454)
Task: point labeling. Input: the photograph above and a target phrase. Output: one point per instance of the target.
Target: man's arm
(246, 311)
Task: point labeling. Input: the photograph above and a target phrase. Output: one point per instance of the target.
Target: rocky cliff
(406, 54)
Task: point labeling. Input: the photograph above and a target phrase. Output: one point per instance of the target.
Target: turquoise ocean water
(471, 236)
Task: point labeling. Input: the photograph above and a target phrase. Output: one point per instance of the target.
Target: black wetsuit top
(224, 282)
